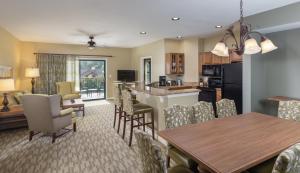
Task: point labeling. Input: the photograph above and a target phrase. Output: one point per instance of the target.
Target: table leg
(83, 111)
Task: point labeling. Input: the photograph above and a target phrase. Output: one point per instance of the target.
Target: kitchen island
(162, 97)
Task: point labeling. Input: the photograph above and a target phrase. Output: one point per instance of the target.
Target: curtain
(73, 70)
(52, 69)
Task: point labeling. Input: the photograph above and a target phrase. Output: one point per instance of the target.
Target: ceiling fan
(91, 43)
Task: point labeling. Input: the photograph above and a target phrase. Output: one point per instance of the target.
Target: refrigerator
(232, 87)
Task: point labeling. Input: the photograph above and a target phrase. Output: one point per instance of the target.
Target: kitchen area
(219, 77)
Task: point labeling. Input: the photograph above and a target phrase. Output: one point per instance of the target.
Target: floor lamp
(32, 73)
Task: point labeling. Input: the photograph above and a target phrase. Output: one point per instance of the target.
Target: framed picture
(6, 72)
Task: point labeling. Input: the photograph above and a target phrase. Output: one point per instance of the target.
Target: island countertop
(166, 90)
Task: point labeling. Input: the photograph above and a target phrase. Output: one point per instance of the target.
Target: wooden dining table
(234, 144)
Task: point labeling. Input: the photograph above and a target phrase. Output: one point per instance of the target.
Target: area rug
(95, 147)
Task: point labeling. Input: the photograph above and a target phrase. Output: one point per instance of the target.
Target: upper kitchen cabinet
(235, 57)
(174, 63)
(207, 58)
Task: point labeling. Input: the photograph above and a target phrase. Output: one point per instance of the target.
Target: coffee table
(14, 118)
(77, 105)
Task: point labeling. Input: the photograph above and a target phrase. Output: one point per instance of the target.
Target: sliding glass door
(92, 79)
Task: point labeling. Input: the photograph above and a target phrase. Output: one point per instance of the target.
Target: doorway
(92, 79)
(147, 71)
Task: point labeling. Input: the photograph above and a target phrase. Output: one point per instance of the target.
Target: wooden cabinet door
(180, 63)
(218, 94)
(216, 59)
(206, 58)
(225, 60)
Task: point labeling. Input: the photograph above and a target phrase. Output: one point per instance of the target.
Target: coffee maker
(162, 80)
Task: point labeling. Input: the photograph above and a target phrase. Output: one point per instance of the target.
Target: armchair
(67, 90)
(43, 114)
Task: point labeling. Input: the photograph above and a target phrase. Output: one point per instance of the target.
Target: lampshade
(267, 45)
(220, 49)
(7, 85)
(32, 72)
(251, 46)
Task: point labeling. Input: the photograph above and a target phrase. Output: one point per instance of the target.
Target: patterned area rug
(95, 147)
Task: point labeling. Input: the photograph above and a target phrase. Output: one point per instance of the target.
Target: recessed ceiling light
(219, 26)
(143, 33)
(175, 18)
(179, 37)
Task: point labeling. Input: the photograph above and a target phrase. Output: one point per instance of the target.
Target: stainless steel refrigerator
(232, 84)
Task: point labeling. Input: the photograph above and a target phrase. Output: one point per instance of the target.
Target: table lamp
(5, 86)
(32, 73)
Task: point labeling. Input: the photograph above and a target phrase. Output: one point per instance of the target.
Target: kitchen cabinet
(235, 57)
(174, 63)
(218, 94)
(208, 58)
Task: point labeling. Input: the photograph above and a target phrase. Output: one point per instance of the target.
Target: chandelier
(248, 45)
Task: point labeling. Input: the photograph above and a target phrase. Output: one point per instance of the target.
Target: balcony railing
(92, 88)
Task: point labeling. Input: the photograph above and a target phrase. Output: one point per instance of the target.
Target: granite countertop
(166, 90)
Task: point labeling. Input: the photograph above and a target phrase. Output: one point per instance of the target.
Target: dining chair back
(288, 161)
(226, 108)
(203, 111)
(178, 115)
(289, 110)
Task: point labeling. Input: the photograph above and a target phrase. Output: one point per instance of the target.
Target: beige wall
(173, 46)
(121, 58)
(156, 51)
(10, 52)
(191, 53)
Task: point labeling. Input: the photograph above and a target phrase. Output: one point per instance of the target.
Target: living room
(88, 86)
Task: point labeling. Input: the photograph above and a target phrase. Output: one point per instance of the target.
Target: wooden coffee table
(77, 105)
(14, 118)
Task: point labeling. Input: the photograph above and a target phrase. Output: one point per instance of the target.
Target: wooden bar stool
(135, 112)
(118, 104)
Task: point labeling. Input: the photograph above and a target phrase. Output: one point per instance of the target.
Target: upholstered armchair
(153, 159)
(67, 90)
(43, 114)
(289, 110)
(203, 111)
(226, 108)
(177, 116)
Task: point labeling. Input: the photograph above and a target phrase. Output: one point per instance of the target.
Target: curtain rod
(73, 54)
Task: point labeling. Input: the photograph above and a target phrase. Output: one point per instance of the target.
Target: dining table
(234, 144)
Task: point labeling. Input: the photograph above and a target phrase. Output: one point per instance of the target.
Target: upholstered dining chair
(289, 110)
(287, 161)
(176, 116)
(67, 90)
(203, 111)
(226, 108)
(153, 159)
(43, 114)
(135, 113)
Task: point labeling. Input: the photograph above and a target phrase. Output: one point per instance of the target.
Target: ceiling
(117, 23)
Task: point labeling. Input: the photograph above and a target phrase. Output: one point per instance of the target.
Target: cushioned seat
(141, 108)
(67, 90)
(179, 169)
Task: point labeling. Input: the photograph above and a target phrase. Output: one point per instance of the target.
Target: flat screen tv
(126, 75)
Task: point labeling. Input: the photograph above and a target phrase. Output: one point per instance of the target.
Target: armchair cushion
(64, 88)
(71, 96)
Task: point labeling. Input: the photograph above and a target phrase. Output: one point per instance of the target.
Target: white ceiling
(118, 22)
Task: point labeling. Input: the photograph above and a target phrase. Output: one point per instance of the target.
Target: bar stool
(118, 104)
(133, 112)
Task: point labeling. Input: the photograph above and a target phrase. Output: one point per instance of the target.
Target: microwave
(212, 70)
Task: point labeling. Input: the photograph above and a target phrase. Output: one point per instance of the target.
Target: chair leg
(124, 127)
(74, 127)
(53, 137)
(115, 117)
(31, 133)
(120, 117)
(131, 131)
(168, 161)
(152, 122)
(138, 120)
(144, 122)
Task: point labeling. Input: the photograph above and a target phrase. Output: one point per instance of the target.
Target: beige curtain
(73, 70)
(52, 69)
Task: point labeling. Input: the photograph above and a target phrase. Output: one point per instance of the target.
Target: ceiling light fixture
(179, 37)
(218, 26)
(91, 43)
(175, 18)
(248, 45)
(143, 33)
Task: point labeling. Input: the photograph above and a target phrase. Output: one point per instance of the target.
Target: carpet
(95, 147)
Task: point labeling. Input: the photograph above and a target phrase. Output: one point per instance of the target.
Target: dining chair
(176, 116)
(289, 110)
(203, 111)
(153, 159)
(135, 113)
(226, 108)
(287, 161)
